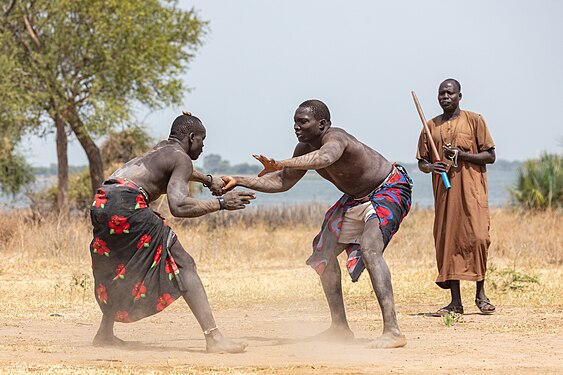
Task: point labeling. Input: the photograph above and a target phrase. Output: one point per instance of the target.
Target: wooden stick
(430, 140)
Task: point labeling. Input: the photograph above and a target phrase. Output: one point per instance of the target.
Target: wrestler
(139, 265)
(377, 196)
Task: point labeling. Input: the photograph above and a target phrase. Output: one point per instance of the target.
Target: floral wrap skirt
(135, 274)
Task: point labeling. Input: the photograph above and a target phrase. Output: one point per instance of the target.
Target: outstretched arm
(329, 153)
(272, 183)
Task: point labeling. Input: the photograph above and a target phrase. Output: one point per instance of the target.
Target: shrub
(540, 183)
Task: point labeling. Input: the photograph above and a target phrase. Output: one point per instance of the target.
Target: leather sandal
(485, 306)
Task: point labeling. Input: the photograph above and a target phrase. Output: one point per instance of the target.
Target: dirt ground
(516, 340)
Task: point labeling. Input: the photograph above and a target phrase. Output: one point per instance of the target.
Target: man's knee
(182, 258)
(371, 254)
(372, 245)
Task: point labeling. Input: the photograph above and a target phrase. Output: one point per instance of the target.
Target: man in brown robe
(461, 222)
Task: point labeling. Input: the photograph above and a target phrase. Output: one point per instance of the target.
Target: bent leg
(105, 336)
(332, 287)
(196, 298)
(372, 255)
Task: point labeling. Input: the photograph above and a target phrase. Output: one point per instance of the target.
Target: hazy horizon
(261, 59)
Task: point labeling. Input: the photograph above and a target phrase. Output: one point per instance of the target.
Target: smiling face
(307, 127)
(449, 96)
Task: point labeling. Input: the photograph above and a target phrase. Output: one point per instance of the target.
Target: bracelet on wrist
(222, 204)
(210, 181)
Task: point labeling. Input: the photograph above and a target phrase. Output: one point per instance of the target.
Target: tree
(119, 147)
(79, 67)
(213, 163)
(15, 172)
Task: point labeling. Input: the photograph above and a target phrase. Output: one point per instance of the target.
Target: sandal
(450, 309)
(485, 306)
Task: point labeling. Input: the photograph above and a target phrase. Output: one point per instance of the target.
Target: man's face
(196, 147)
(306, 127)
(448, 96)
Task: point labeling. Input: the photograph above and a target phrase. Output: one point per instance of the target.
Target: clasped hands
(228, 183)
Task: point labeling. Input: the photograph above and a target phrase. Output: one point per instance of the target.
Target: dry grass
(256, 258)
(245, 262)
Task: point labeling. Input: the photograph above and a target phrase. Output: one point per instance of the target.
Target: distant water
(313, 188)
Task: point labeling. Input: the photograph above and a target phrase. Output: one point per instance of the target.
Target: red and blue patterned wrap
(391, 201)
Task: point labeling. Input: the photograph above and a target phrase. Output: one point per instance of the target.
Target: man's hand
(452, 153)
(230, 183)
(217, 186)
(270, 165)
(439, 167)
(236, 200)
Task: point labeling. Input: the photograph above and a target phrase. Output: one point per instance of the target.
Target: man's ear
(191, 137)
(323, 123)
(460, 95)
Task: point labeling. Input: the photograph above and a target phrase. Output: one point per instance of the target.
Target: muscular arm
(273, 182)
(198, 176)
(329, 153)
(181, 204)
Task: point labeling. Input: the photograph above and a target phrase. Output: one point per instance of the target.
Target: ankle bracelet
(208, 332)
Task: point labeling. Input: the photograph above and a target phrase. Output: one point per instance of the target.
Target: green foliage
(510, 279)
(85, 63)
(540, 183)
(15, 173)
(452, 318)
(101, 56)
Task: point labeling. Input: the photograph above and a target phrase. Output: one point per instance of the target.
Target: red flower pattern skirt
(135, 274)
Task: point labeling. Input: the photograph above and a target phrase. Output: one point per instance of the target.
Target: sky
(262, 58)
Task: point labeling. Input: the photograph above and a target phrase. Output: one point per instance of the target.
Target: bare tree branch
(31, 32)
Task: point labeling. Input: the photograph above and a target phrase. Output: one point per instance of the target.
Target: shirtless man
(377, 196)
(139, 265)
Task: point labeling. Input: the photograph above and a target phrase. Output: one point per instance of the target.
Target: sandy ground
(516, 340)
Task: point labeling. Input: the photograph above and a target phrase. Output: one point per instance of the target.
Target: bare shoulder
(338, 135)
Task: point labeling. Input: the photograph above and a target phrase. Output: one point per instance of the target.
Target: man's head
(190, 131)
(449, 95)
(311, 119)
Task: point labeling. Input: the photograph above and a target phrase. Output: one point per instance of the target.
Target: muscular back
(154, 169)
(358, 170)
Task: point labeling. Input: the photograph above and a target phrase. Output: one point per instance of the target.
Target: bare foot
(388, 340)
(103, 340)
(335, 333)
(224, 345)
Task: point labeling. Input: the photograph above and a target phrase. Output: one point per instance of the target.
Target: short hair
(454, 81)
(185, 124)
(319, 109)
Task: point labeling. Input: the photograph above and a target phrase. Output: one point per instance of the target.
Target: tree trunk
(92, 151)
(62, 167)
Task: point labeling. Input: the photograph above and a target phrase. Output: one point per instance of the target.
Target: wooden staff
(430, 140)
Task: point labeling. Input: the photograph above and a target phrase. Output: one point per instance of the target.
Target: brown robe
(461, 220)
